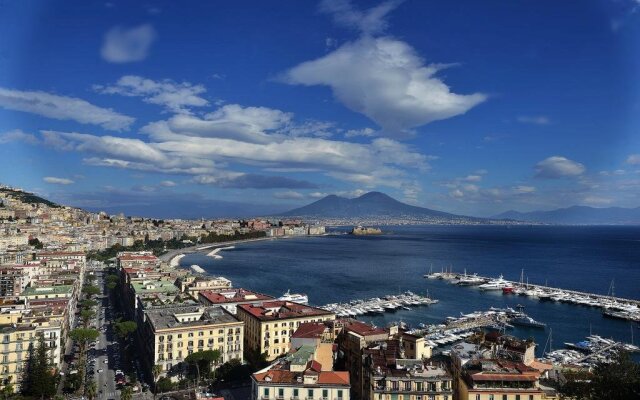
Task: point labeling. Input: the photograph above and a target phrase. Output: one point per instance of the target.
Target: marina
(377, 305)
(612, 307)
(587, 353)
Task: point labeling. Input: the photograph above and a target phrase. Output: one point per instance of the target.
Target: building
(229, 299)
(270, 325)
(300, 375)
(194, 285)
(170, 334)
(17, 339)
(12, 281)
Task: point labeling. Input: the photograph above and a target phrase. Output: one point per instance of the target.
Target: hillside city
(93, 306)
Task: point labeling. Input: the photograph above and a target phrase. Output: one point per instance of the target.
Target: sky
(189, 109)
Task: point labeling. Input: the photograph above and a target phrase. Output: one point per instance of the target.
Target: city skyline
(270, 105)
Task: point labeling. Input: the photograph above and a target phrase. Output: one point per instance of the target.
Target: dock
(377, 305)
(612, 306)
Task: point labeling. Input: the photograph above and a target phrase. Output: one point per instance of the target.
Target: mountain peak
(368, 205)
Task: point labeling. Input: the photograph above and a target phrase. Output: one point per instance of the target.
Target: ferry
(294, 297)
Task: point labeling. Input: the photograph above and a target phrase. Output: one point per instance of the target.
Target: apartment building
(300, 375)
(15, 341)
(269, 326)
(170, 334)
(231, 298)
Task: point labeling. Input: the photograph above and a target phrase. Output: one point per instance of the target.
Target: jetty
(612, 306)
(377, 305)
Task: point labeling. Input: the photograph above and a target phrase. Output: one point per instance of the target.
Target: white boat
(294, 297)
(495, 284)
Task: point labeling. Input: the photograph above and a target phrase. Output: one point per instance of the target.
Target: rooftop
(46, 290)
(233, 296)
(325, 378)
(277, 310)
(177, 317)
(154, 286)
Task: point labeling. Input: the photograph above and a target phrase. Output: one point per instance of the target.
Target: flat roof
(35, 290)
(197, 315)
(233, 296)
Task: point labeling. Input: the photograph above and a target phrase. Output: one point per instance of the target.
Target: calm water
(344, 267)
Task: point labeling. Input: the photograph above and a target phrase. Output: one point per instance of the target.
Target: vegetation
(215, 238)
(125, 328)
(38, 379)
(36, 243)
(90, 290)
(619, 380)
(164, 384)
(28, 198)
(156, 371)
(126, 393)
(202, 362)
(234, 370)
(7, 389)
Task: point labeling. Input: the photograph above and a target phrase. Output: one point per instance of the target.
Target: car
(119, 372)
(106, 361)
(100, 370)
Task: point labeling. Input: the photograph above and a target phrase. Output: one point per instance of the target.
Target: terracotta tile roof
(363, 329)
(311, 330)
(233, 296)
(276, 376)
(277, 310)
(484, 376)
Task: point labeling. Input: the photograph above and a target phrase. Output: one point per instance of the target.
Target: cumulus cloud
(558, 167)
(167, 184)
(385, 80)
(371, 21)
(535, 120)
(633, 159)
(523, 189)
(57, 181)
(63, 108)
(123, 45)
(18, 135)
(175, 97)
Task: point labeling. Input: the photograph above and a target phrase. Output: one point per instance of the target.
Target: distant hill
(578, 215)
(27, 197)
(369, 205)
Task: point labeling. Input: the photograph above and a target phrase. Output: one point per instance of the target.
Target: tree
(90, 290)
(40, 381)
(7, 389)
(86, 315)
(202, 361)
(36, 243)
(618, 380)
(84, 335)
(156, 371)
(164, 384)
(88, 303)
(91, 390)
(111, 285)
(126, 393)
(125, 328)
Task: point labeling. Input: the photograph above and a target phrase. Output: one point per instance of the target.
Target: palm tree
(126, 393)
(156, 371)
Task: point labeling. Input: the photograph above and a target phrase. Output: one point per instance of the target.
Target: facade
(172, 333)
(12, 281)
(408, 379)
(269, 326)
(16, 340)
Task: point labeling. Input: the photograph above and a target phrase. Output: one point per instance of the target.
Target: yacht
(294, 297)
(525, 320)
(495, 284)
(470, 280)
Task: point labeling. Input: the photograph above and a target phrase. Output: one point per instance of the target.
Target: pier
(628, 309)
(379, 305)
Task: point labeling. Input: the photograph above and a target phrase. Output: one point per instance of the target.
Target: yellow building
(269, 326)
(171, 334)
(15, 341)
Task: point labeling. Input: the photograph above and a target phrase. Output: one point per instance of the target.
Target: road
(106, 348)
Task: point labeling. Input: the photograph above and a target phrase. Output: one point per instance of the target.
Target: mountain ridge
(580, 215)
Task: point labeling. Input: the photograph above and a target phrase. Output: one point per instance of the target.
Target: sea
(340, 267)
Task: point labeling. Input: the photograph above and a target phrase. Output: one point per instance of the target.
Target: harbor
(377, 305)
(612, 306)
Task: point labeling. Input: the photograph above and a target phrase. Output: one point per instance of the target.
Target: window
(517, 397)
(407, 385)
(477, 397)
(295, 393)
(530, 397)
(490, 397)
(340, 394)
(310, 394)
(280, 393)
(505, 397)
(200, 333)
(419, 386)
(265, 393)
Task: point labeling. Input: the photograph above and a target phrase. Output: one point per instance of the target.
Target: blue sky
(245, 107)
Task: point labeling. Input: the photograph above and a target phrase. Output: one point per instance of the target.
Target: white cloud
(387, 81)
(597, 200)
(18, 135)
(175, 97)
(57, 181)
(367, 132)
(63, 108)
(633, 159)
(371, 21)
(289, 195)
(558, 167)
(167, 183)
(535, 120)
(523, 189)
(123, 45)
(231, 121)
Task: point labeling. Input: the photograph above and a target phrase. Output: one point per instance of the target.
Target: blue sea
(341, 267)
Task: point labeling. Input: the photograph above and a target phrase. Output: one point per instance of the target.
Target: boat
(525, 320)
(470, 280)
(507, 290)
(495, 284)
(294, 297)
